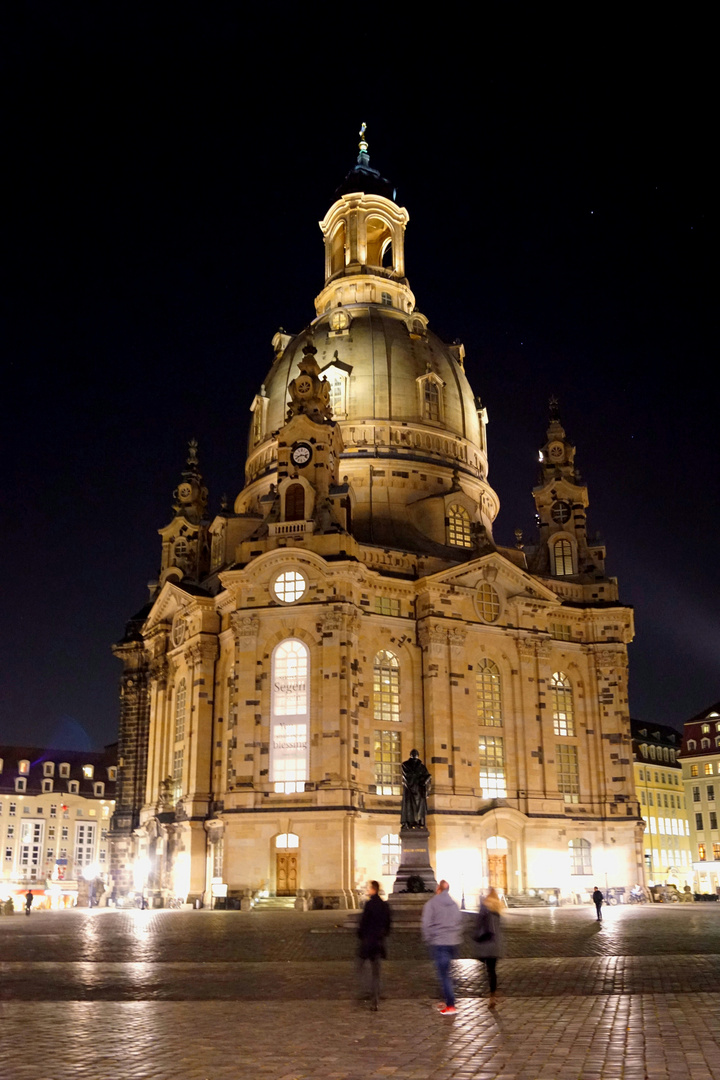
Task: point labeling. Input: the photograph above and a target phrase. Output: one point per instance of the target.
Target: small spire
(363, 141)
(554, 407)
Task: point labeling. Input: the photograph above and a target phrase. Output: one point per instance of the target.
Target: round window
(289, 586)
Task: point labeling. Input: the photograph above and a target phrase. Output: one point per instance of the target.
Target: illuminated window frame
(568, 772)
(489, 694)
(488, 603)
(289, 586)
(580, 857)
(390, 854)
(290, 716)
(388, 763)
(459, 530)
(180, 710)
(491, 767)
(563, 558)
(386, 687)
(562, 704)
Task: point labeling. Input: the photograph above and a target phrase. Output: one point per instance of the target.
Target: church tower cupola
(190, 495)
(561, 500)
(364, 232)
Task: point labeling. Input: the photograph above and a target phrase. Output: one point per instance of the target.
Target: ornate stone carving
(202, 652)
(245, 628)
(607, 659)
(457, 637)
(543, 649)
(432, 635)
(159, 670)
(525, 648)
(331, 621)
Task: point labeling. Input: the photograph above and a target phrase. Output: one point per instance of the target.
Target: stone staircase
(525, 901)
(274, 903)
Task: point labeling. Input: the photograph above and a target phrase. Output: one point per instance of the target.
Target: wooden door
(287, 874)
(497, 871)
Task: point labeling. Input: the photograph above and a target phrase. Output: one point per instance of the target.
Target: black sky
(167, 169)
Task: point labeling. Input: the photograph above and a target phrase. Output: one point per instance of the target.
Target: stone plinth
(414, 863)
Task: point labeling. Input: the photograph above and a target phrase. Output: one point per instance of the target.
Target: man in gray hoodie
(442, 931)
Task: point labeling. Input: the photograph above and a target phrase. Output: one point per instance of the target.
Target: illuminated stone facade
(353, 605)
(701, 776)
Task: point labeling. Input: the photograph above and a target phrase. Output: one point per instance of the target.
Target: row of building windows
(709, 793)
(660, 778)
(668, 826)
(707, 769)
(662, 799)
(668, 857)
(712, 819)
(27, 809)
(702, 852)
(88, 771)
(705, 744)
(48, 786)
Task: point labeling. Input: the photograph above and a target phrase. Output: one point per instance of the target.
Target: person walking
(374, 927)
(488, 934)
(598, 902)
(442, 931)
(28, 901)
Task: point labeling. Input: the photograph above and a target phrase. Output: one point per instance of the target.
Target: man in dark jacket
(598, 902)
(374, 928)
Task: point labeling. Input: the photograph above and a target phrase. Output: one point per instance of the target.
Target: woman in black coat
(489, 936)
(373, 929)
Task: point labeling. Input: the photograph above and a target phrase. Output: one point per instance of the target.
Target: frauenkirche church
(352, 606)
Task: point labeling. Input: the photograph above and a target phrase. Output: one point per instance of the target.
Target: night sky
(166, 175)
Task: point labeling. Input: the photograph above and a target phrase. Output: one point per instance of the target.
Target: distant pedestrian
(374, 927)
(28, 901)
(488, 934)
(442, 931)
(598, 902)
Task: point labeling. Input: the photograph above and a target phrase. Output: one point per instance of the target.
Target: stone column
(436, 753)
(132, 761)
(249, 695)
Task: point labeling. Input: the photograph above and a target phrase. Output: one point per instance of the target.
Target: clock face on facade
(301, 454)
(184, 491)
(555, 451)
(560, 512)
(304, 386)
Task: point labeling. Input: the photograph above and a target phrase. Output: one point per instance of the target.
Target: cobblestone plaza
(165, 995)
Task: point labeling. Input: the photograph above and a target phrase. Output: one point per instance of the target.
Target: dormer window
(20, 783)
(99, 789)
(705, 744)
(24, 767)
(47, 785)
(692, 745)
(430, 389)
(644, 750)
(88, 771)
(112, 772)
(706, 729)
(73, 787)
(48, 768)
(458, 526)
(64, 770)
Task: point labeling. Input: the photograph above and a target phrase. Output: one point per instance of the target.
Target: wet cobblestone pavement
(227, 996)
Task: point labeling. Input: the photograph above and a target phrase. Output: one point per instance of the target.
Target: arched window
(378, 237)
(337, 249)
(431, 400)
(217, 549)
(652, 752)
(180, 707)
(580, 857)
(489, 695)
(290, 716)
(287, 840)
(386, 686)
(257, 423)
(705, 744)
(295, 503)
(181, 551)
(390, 852)
(562, 555)
(386, 299)
(338, 395)
(562, 704)
(458, 526)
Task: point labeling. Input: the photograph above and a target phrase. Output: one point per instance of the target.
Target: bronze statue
(417, 783)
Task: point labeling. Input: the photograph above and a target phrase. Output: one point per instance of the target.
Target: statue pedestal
(415, 881)
(414, 864)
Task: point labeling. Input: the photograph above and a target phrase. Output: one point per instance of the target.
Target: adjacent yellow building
(55, 812)
(353, 605)
(661, 794)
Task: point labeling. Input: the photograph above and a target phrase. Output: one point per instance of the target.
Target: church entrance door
(497, 871)
(287, 874)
